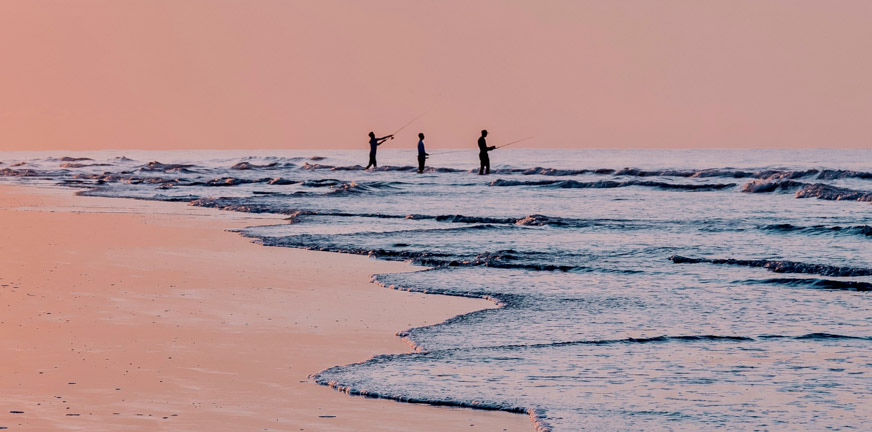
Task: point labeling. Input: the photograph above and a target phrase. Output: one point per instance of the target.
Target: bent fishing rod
(513, 142)
(407, 124)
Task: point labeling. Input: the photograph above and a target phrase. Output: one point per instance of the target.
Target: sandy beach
(133, 315)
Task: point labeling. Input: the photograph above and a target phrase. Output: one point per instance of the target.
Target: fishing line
(464, 150)
(513, 142)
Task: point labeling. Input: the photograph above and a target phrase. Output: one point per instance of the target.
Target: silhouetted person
(482, 154)
(373, 147)
(422, 155)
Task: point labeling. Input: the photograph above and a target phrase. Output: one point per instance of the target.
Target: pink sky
(271, 74)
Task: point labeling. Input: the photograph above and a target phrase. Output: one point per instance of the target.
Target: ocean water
(639, 290)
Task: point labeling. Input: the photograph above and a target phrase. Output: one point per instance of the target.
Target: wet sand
(134, 315)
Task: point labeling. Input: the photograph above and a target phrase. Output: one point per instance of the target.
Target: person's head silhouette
(484, 132)
(372, 134)
(421, 135)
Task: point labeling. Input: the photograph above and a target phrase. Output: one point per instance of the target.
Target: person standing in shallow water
(422, 155)
(482, 154)
(373, 147)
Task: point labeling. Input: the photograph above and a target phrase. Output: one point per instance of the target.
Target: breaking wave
(605, 184)
(806, 190)
(833, 193)
(860, 230)
(9, 172)
(824, 284)
(82, 165)
(157, 166)
(248, 166)
(766, 186)
(768, 174)
(780, 266)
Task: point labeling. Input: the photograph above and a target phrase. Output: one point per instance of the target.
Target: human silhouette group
(483, 150)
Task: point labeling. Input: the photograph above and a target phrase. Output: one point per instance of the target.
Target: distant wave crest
(861, 230)
(824, 284)
(779, 266)
(605, 184)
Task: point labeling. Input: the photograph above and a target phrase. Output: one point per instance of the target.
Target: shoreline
(122, 314)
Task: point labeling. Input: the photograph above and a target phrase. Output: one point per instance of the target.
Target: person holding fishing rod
(373, 147)
(482, 154)
(422, 155)
(483, 149)
(375, 142)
